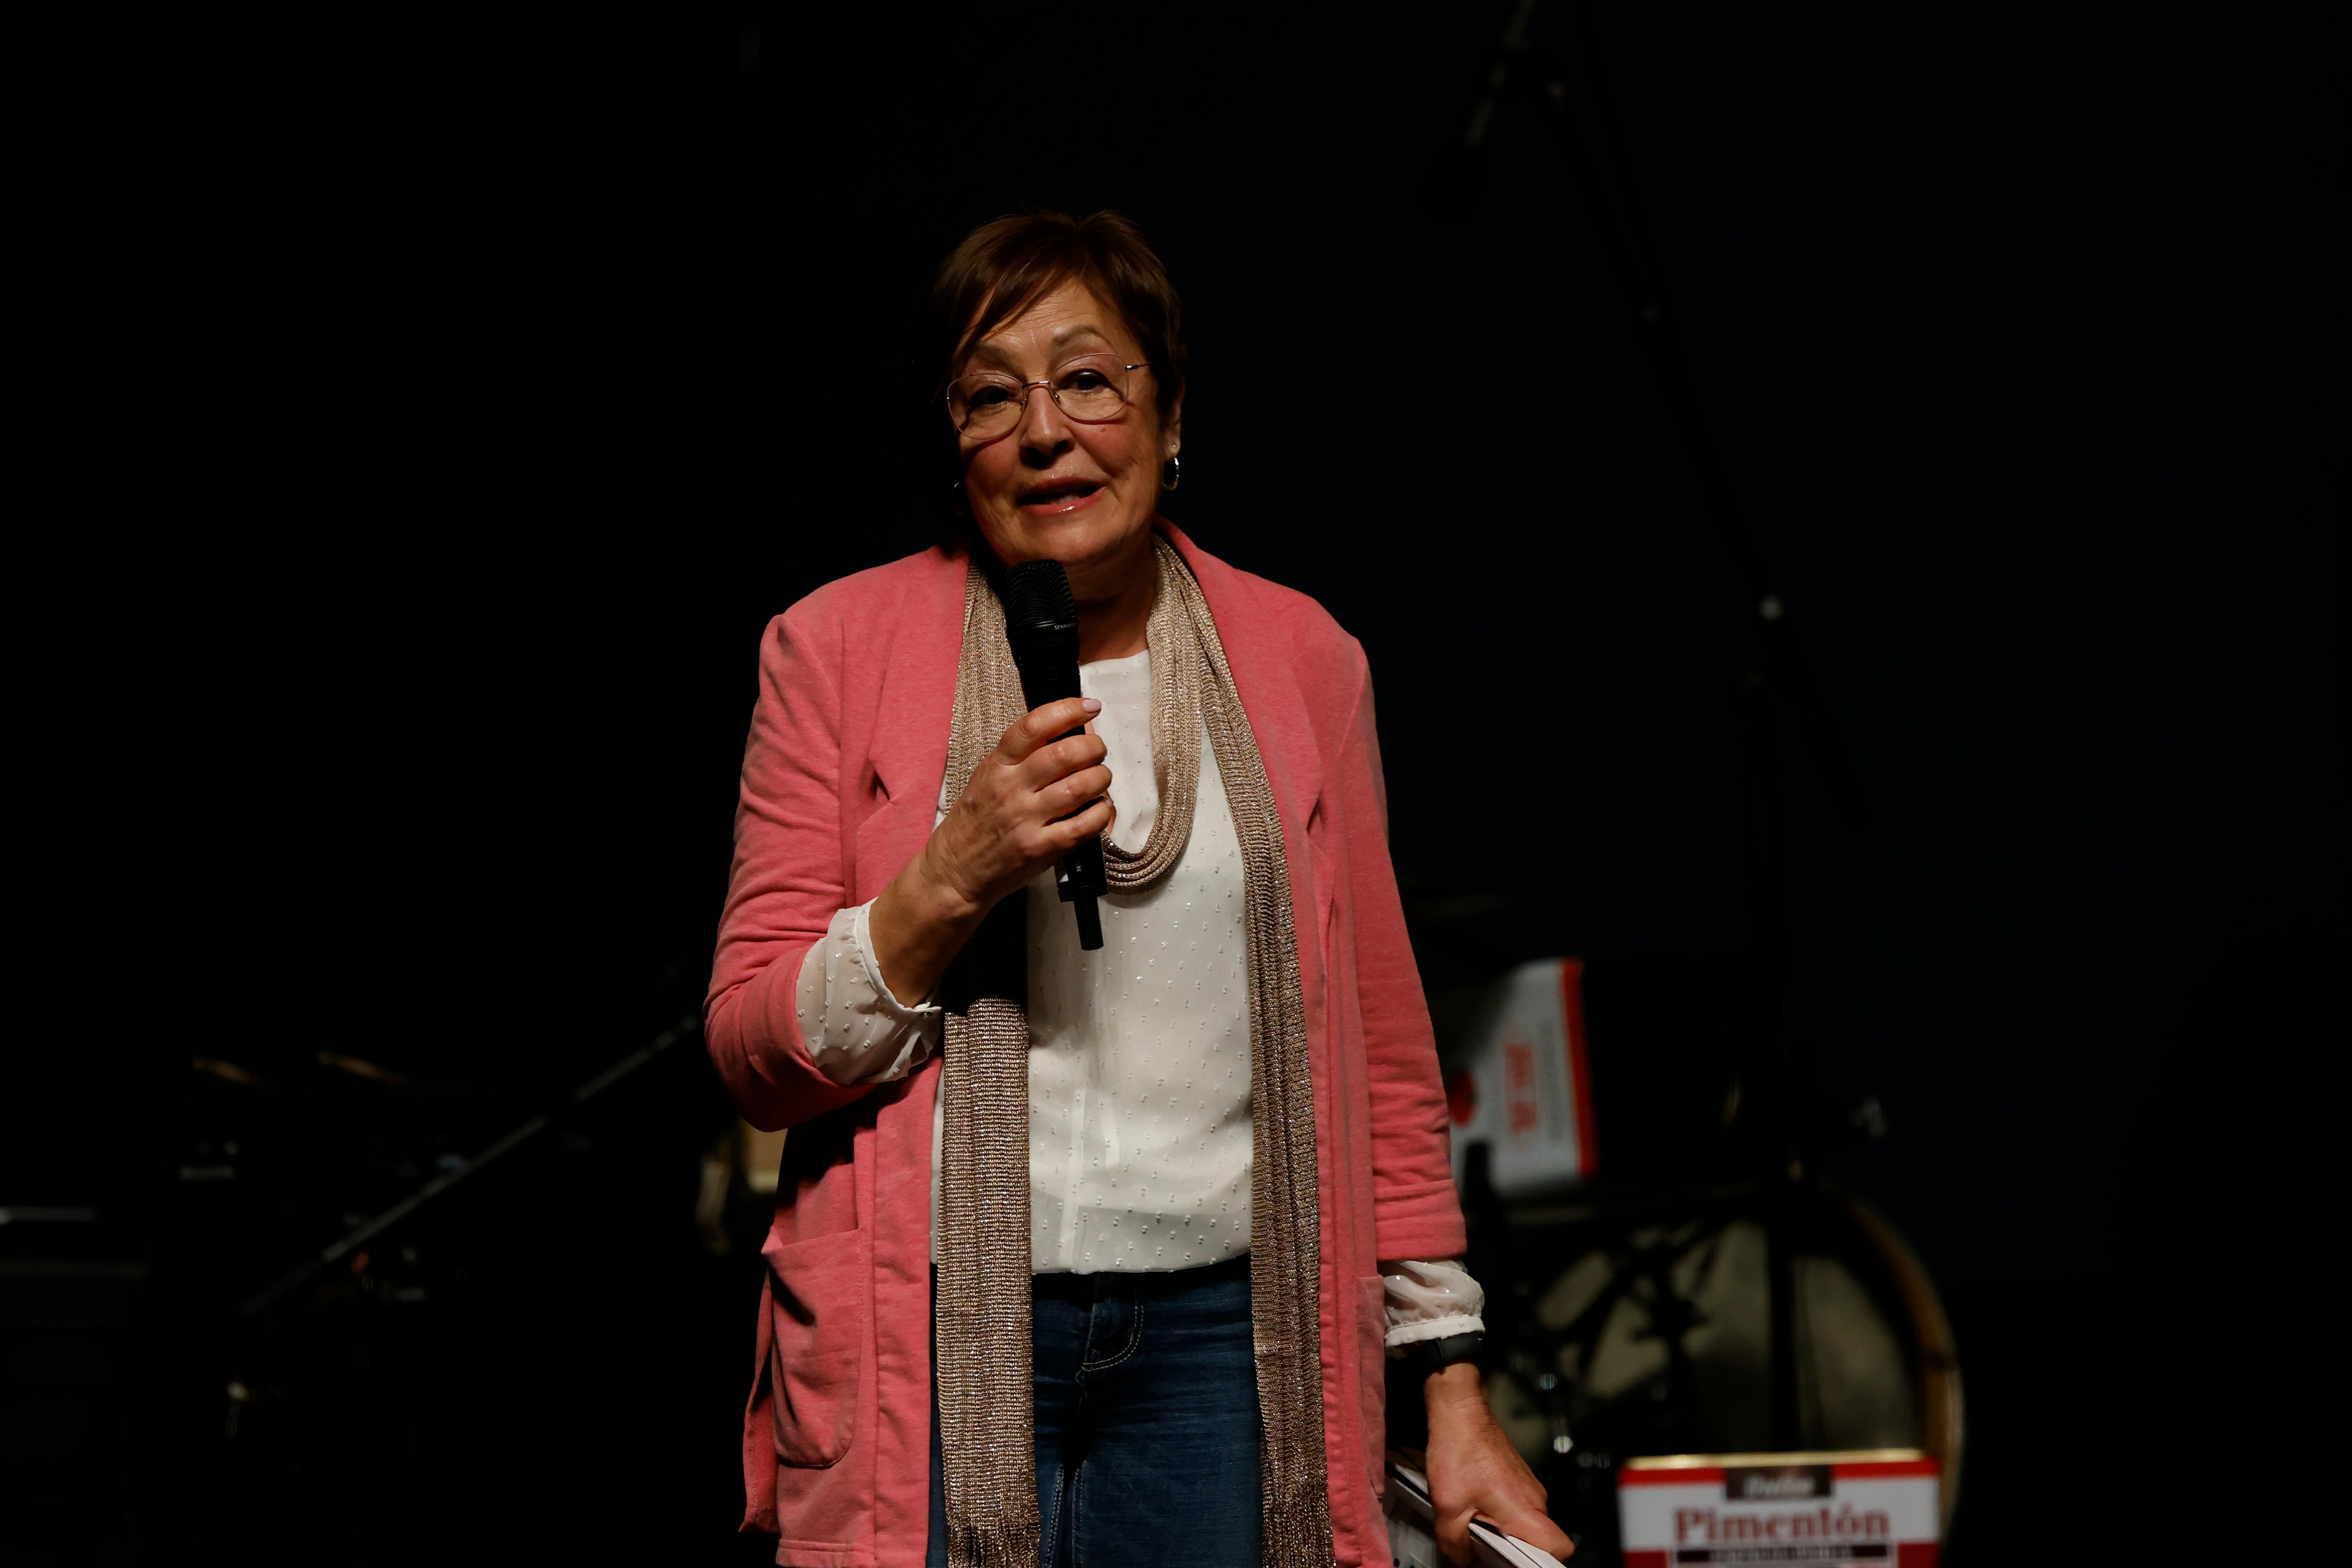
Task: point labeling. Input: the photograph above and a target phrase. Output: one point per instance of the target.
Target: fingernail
(1090, 704)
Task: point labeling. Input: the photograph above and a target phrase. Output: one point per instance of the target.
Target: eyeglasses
(1092, 389)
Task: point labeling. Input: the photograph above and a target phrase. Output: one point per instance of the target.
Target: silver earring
(1172, 476)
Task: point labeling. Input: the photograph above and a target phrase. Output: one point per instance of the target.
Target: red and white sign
(1874, 1510)
(1520, 1085)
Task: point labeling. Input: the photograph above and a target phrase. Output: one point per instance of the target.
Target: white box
(1818, 1510)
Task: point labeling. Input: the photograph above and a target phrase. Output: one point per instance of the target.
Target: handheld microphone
(1041, 621)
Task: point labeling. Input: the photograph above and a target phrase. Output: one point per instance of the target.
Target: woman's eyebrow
(1082, 329)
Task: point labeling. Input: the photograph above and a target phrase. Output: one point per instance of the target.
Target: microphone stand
(1775, 675)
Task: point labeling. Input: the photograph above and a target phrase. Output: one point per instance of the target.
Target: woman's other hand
(1012, 820)
(1473, 1471)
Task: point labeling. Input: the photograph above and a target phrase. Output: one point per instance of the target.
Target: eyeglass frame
(1125, 402)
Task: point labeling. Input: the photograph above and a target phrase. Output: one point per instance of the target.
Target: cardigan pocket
(822, 1300)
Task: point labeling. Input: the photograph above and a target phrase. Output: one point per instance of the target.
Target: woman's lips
(1055, 499)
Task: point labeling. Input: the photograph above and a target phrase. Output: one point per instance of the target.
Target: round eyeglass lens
(979, 402)
(1091, 389)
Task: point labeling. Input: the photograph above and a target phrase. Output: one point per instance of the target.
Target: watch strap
(1426, 1358)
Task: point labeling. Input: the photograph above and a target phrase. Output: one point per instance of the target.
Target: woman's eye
(1084, 380)
(988, 395)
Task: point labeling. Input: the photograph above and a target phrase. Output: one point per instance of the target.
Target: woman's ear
(1171, 430)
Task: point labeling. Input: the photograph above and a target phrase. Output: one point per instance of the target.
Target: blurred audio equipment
(735, 1201)
(1651, 1284)
(1628, 1327)
(1766, 1138)
(74, 1448)
(759, 1156)
(348, 1247)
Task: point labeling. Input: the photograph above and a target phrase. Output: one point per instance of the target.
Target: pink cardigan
(841, 779)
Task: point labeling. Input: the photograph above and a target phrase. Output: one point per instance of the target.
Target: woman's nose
(1042, 424)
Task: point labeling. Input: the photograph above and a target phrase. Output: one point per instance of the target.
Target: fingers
(1066, 795)
(1040, 725)
(1068, 833)
(1063, 758)
(1534, 1528)
(1531, 1525)
(1453, 1535)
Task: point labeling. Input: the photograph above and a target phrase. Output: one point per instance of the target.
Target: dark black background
(2020, 330)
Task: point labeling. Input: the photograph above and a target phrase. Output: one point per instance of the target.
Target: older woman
(1077, 1254)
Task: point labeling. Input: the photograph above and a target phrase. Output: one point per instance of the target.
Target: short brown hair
(1005, 267)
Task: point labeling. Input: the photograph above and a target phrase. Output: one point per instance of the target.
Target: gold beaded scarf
(981, 1312)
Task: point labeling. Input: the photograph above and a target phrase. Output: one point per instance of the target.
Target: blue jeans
(1147, 1421)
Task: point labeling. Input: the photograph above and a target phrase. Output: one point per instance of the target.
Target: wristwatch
(1427, 1358)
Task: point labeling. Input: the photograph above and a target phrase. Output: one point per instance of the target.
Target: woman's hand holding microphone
(1013, 820)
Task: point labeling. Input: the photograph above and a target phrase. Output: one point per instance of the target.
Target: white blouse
(1139, 1062)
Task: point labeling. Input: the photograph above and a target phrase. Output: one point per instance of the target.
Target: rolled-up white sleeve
(1431, 1300)
(855, 1030)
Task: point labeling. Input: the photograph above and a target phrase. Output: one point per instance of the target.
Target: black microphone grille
(1038, 594)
